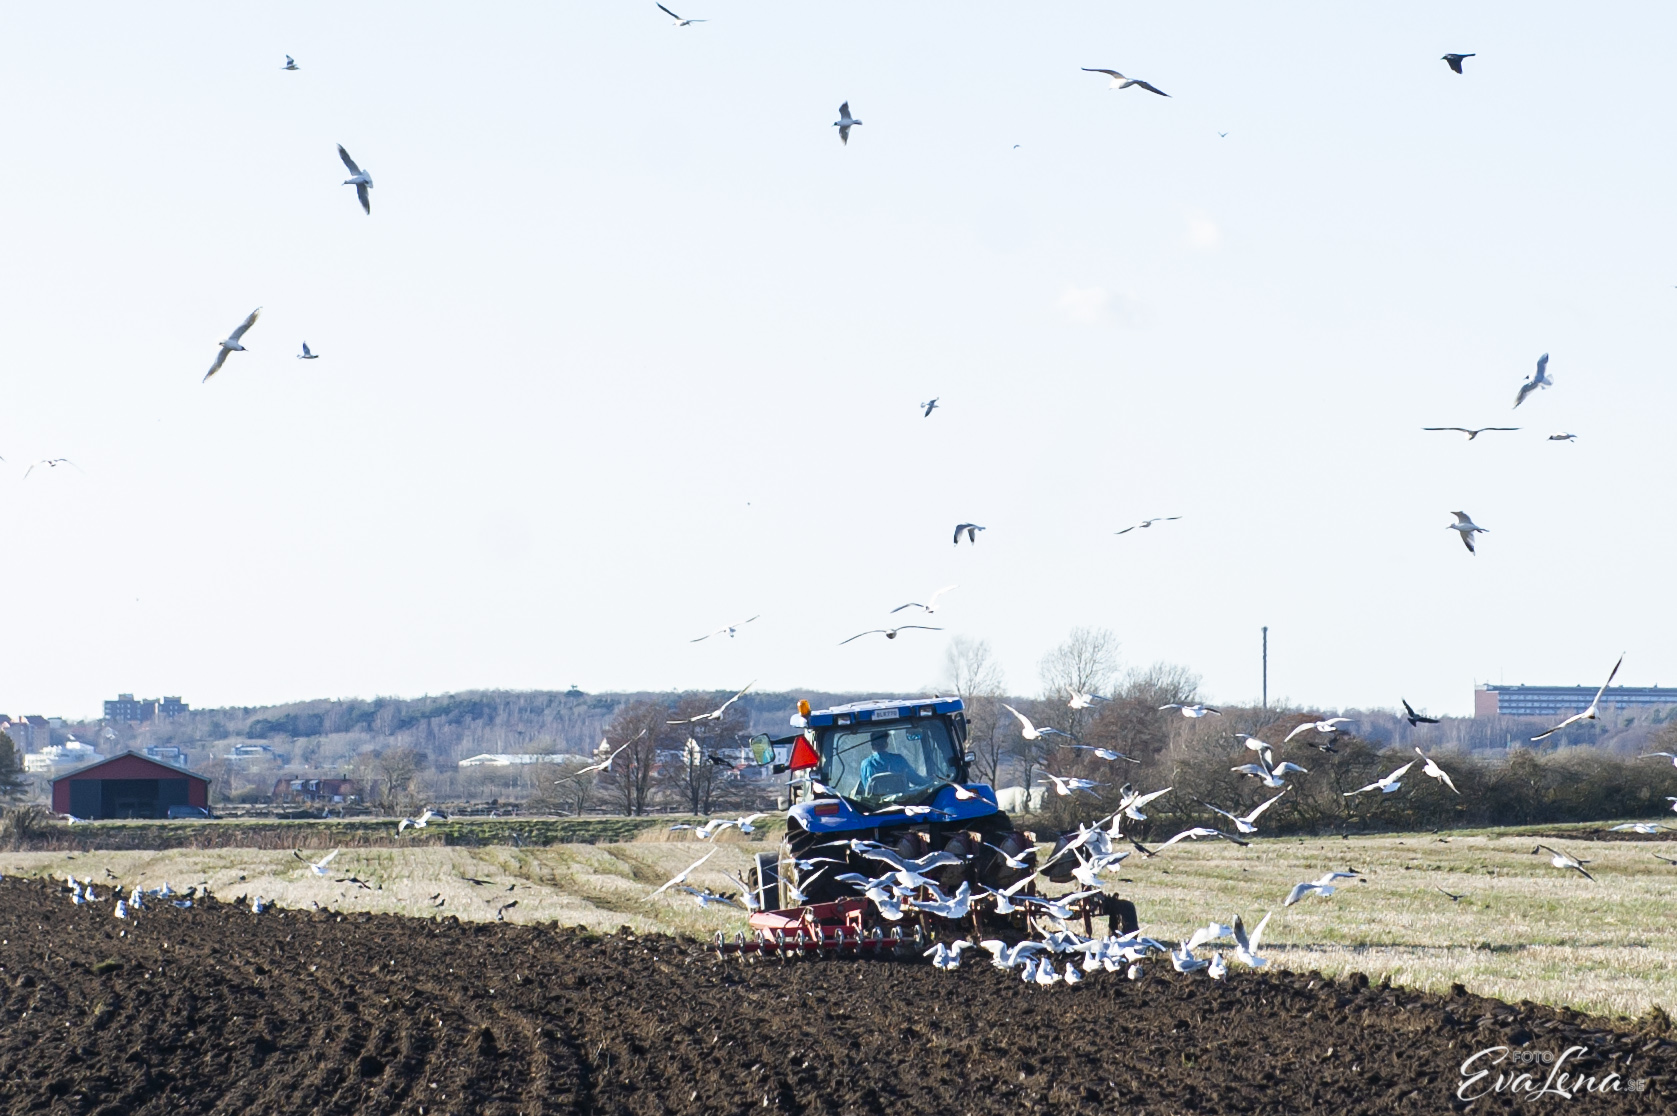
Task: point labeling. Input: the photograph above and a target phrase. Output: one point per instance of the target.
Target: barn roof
(102, 761)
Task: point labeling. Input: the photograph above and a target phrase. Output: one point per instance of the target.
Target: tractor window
(889, 761)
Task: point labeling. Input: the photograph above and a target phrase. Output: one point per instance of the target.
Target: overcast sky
(631, 346)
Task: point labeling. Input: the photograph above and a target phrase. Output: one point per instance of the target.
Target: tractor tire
(765, 881)
(800, 844)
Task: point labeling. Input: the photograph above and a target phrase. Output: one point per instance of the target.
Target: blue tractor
(883, 782)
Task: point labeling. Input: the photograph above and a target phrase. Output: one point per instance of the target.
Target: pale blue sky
(621, 279)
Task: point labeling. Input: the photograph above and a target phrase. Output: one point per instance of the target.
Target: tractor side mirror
(969, 759)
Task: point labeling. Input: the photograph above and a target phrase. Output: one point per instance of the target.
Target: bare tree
(397, 768)
(12, 780)
(699, 776)
(976, 678)
(639, 729)
(1086, 663)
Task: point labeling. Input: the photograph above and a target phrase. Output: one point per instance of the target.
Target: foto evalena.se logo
(1536, 1073)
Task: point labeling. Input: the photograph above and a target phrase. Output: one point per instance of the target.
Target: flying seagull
(318, 867)
(889, 633)
(1322, 885)
(1562, 436)
(1249, 823)
(1246, 948)
(362, 181)
(679, 22)
(1193, 711)
(231, 345)
(681, 876)
(1464, 523)
(1147, 523)
(1063, 787)
(1386, 784)
(1415, 718)
(1668, 755)
(729, 629)
(972, 530)
(931, 602)
(1028, 730)
(1327, 726)
(1471, 432)
(844, 123)
(716, 714)
(51, 463)
(1119, 81)
(1078, 700)
(1539, 379)
(1435, 771)
(1644, 828)
(1455, 60)
(1593, 713)
(289, 64)
(1449, 896)
(605, 764)
(1267, 771)
(1562, 860)
(930, 405)
(306, 354)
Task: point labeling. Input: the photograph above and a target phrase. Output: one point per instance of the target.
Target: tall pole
(1266, 668)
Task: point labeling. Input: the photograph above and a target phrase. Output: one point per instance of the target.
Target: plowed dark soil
(215, 1009)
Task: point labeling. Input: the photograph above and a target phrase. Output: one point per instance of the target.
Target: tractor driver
(884, 761)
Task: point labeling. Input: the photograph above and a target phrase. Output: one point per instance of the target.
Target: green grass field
(1522, 929)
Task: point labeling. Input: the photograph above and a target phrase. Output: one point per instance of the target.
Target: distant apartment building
(29, 734)
(1563, 701)
(129, 710)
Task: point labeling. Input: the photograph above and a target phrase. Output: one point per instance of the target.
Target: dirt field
(215, 1009)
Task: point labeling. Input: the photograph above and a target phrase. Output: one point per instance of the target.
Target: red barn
(128, 786)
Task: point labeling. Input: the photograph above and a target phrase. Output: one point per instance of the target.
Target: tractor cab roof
(884, 709)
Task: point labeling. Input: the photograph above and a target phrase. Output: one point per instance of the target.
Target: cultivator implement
(854, 928)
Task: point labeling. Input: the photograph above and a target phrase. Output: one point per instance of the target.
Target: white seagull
(1562, 860)
(1197, 833)
(844, 123)
(1386, 784)
(306, 354)
(1645, 828)
(681, 876)
(1435, 771)
(289, 64)
(1195, 711)
(1064, 787)
(889, 633)
(1322, 886)
(319, 866)
(1326, 726)
(1562, 436)
(679, 22)
(1464, 523)
(361, 180)
(1247, 824)
(603, 765)
(972, 530)
(1471, 432)
(1028, 730)
(1119, 81)
(1078, 700)
(231, 345)
(51, 463)
(727, 629)
(715, 714)
(1668, 755)
(931, 602)
(1130, 803)
(1593, 713)
(1246, 948)
(417, 823)
(1147, 523)
(1268, 772)
(1539, 379)
(930, 405)
(1103, 753)
(947, 957)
